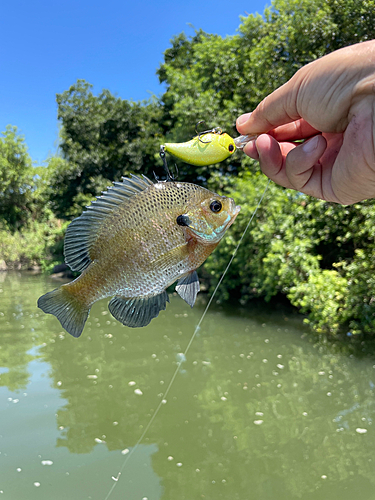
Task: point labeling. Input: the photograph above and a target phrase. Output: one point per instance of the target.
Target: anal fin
(187, 287)
(137, 311)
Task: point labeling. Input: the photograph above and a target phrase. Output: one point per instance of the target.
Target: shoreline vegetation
(317, 255)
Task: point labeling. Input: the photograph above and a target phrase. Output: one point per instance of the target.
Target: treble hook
(170, 176)
(216, 130)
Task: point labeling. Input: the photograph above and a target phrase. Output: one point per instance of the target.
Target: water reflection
(254, 409)
(16, 330)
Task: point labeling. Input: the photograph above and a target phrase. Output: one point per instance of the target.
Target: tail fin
(71, 313)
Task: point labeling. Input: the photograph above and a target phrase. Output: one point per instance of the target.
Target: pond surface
(257, 411)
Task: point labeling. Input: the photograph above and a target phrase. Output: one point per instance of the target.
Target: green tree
(103, 137)
(16, 179)
(29, 232)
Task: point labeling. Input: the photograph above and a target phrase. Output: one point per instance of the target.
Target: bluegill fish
(133, 242)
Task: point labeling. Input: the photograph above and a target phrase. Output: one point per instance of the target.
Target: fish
(132, 243)
(206, 148)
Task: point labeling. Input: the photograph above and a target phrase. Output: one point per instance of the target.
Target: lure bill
(242, 140)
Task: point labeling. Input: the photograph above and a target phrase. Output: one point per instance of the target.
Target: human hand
(330, 102)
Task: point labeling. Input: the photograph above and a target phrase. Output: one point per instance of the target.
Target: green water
(257, 411)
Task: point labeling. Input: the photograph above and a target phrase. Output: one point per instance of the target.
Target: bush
(38, 244)
(323, 296)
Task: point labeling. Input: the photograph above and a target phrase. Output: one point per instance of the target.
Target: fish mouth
(234, 213)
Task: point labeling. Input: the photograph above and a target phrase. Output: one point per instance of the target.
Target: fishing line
(179, 363)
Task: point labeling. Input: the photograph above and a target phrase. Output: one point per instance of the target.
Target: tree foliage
(16, 179)
(103, 137)
(29, 231)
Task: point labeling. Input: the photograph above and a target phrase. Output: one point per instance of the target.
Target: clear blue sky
(45, 46)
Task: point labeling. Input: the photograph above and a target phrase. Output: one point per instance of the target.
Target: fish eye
(216, 206)
(231, 147)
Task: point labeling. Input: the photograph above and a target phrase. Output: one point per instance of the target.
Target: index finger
(294, 131)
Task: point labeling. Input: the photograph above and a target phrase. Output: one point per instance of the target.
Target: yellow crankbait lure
(212, 146)
(207, 148)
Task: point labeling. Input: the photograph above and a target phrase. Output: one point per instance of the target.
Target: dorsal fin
(83, 231)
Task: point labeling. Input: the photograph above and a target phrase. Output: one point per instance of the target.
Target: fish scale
(129, 244)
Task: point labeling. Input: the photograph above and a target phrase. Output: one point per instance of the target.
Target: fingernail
(243, 118)
(310, 145)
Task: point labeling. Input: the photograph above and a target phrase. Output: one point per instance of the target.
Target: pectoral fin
(187, 287)
(137, 311)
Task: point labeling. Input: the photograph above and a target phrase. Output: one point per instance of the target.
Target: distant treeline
(318, 255)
